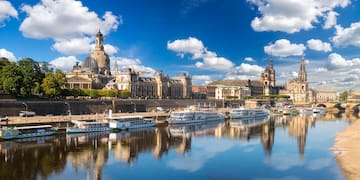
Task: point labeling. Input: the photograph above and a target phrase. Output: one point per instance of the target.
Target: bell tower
(100, 55)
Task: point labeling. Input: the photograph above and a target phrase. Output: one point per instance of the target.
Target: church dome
(91, 64)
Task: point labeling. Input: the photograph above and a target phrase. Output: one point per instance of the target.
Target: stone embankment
(347, 150)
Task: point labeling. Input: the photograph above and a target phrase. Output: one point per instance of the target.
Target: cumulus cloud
(245, 71)
(330, 19)
(64, 63)
(284, 48)
(6, 11)
(197, 49)
(293, 16)
(337, 61)
(321, 70)
(347, 36)
(201, 79)
(318, 45)
(7, 54)
(249, 59)
(133, 63)
(67, 22)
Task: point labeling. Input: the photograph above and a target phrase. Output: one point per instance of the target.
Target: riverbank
(347, 148)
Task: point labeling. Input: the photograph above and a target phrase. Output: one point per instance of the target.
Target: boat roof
(88, 122)
(126, 117)
(33, 127)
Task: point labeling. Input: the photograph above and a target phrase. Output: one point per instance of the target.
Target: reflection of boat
(188, 129)
(248, 114)
(27, 132)
(319, 110)
(248, 122)
(195, 116)
(86, 126)
(130, 122)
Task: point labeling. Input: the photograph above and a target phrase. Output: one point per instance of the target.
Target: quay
(17, 120)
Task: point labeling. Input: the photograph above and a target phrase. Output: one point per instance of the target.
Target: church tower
(302, 73)
(268, 78)
(100, 55)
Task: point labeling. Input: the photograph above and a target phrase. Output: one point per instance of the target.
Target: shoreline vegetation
(346, 149)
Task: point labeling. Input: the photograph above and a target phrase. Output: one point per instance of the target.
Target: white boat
(195, 116)
(86, 126)
(306, 111)
(248, 114)
(130, 122)
(27, 132)
(247, 122)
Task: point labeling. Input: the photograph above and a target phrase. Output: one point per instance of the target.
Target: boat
(189, 115)
(289, 110)
(88, 126)
(306, 111)
(248, 114)
(26, 131)
(248, 122)
(130, 122)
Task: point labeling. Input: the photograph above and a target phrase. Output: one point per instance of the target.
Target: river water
(283, 147)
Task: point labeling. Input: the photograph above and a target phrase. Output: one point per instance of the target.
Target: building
(160, 86)
(326, 96)
(233, 89)
(199, 92)
(354, 96)
(298, 89)
(95, 70)
(267, 78)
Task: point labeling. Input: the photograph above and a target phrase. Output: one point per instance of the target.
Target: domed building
(267, 78)
(95, 70)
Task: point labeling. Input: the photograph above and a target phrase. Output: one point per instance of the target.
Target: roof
(235, 83)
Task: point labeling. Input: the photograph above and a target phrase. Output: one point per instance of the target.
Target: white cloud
(110, 49)
(245, 71)
(284, 48)
(293, 16)
(6, 11)
(7, 54)
(347, 36)
(249, 59)
(134, 63)
(321, 70)
(64, 63)
(318, 45)
(330, 19)
(197, 49)
(201, 79)
(337, 61)
(73, 46)
(294, 74)
(67, 22)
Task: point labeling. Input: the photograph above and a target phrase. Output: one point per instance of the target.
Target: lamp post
(68, 106)
(134, 106)
(26, 107)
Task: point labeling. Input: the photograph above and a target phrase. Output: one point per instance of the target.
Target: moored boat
(195, 116)
(248, 114)
(88, 126)
(130, 122)
(27, 131)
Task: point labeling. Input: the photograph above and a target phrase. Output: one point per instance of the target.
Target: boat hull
(8, 135)
(86, 130)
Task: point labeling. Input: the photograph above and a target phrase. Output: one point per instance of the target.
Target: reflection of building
(95, 70)
(234, 89)
(267, 136)
(298, 89)
(298, 127)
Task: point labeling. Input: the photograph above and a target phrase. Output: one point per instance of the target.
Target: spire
(302, 73)
(99, 42)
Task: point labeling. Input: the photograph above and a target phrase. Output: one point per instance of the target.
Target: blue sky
(209, 39)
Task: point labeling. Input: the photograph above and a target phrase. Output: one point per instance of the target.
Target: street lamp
(134, 106)
(26, 107)
(69, 110)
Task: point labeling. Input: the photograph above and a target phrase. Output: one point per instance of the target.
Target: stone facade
(298, 89)
(224, 89)
(95, 70)
(326, 96)
(267, 78)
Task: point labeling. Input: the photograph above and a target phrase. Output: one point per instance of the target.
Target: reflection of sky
(201, 151)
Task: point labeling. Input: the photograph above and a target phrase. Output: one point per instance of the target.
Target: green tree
(53, 83)
(125, 94)
(11, 78)
(3, 62)
(32, 75)
(344, 96)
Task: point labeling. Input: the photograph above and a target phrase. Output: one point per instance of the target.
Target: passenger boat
(248, 114)
(130, 122)
(319, 110)
(27, 132)
(195, 116)
(88, 126)
(306, 111)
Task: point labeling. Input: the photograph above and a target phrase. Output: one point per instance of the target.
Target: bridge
(347, 106)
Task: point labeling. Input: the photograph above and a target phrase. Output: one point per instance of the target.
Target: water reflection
(89, 154)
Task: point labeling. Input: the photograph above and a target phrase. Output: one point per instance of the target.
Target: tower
(268, 78)
(302, 72)
(100, 55)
